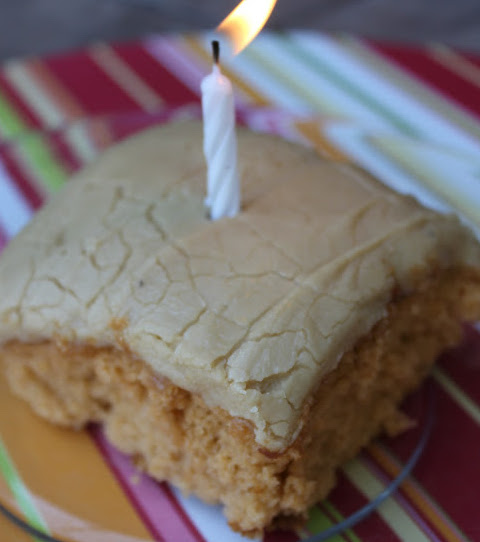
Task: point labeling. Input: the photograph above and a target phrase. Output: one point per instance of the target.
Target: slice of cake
(244, 359)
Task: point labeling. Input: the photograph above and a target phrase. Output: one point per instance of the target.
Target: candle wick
(216, 51)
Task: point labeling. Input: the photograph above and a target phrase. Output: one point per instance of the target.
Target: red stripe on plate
(126, 125)
(171, 89)
(473, 58)
(19, 106)
(280, 536)
(462, 364)
(449, 469)
(26, 185)
(181, 512)
(64, 153)
(3, 239)
(423, 66)
(154, 502)
(98, 93)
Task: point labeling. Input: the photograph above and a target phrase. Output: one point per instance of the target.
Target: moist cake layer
(250, 313)
(174, 435)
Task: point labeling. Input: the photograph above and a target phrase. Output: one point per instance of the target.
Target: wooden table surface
(42, 26)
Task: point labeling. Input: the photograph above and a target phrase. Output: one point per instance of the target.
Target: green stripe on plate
(338, 517)
(318, 521)
(34, 151)
(40, 159)
(20, 491)
(10, 123)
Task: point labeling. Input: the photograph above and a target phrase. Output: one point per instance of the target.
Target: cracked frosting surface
(250, 312)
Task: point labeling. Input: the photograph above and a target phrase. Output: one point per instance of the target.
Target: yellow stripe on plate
(390, 511)
(66, 475)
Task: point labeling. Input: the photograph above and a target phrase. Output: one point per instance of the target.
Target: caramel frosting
(251, 312)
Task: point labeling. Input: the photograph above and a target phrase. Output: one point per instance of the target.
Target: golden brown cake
(244, 359)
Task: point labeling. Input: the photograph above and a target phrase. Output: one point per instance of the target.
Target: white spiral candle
(220, 144)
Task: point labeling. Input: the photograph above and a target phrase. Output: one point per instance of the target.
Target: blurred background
(44, 26)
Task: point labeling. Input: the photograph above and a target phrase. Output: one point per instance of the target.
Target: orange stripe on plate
(258, 98)
(54, 88)
(421, 501)
(99, 133)
(68, 478)
(313, 132)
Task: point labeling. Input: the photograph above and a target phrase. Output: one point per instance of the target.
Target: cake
(245, 359)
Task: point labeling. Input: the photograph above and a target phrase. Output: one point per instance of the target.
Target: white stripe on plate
(114, 66)
(209, 520)
(457, 394)
(33, 93)
(168, 54)
(80, 142)
(14, 211)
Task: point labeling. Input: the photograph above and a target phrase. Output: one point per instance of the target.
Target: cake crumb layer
(174, 435)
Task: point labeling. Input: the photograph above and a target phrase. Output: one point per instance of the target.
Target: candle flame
(245, 22)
